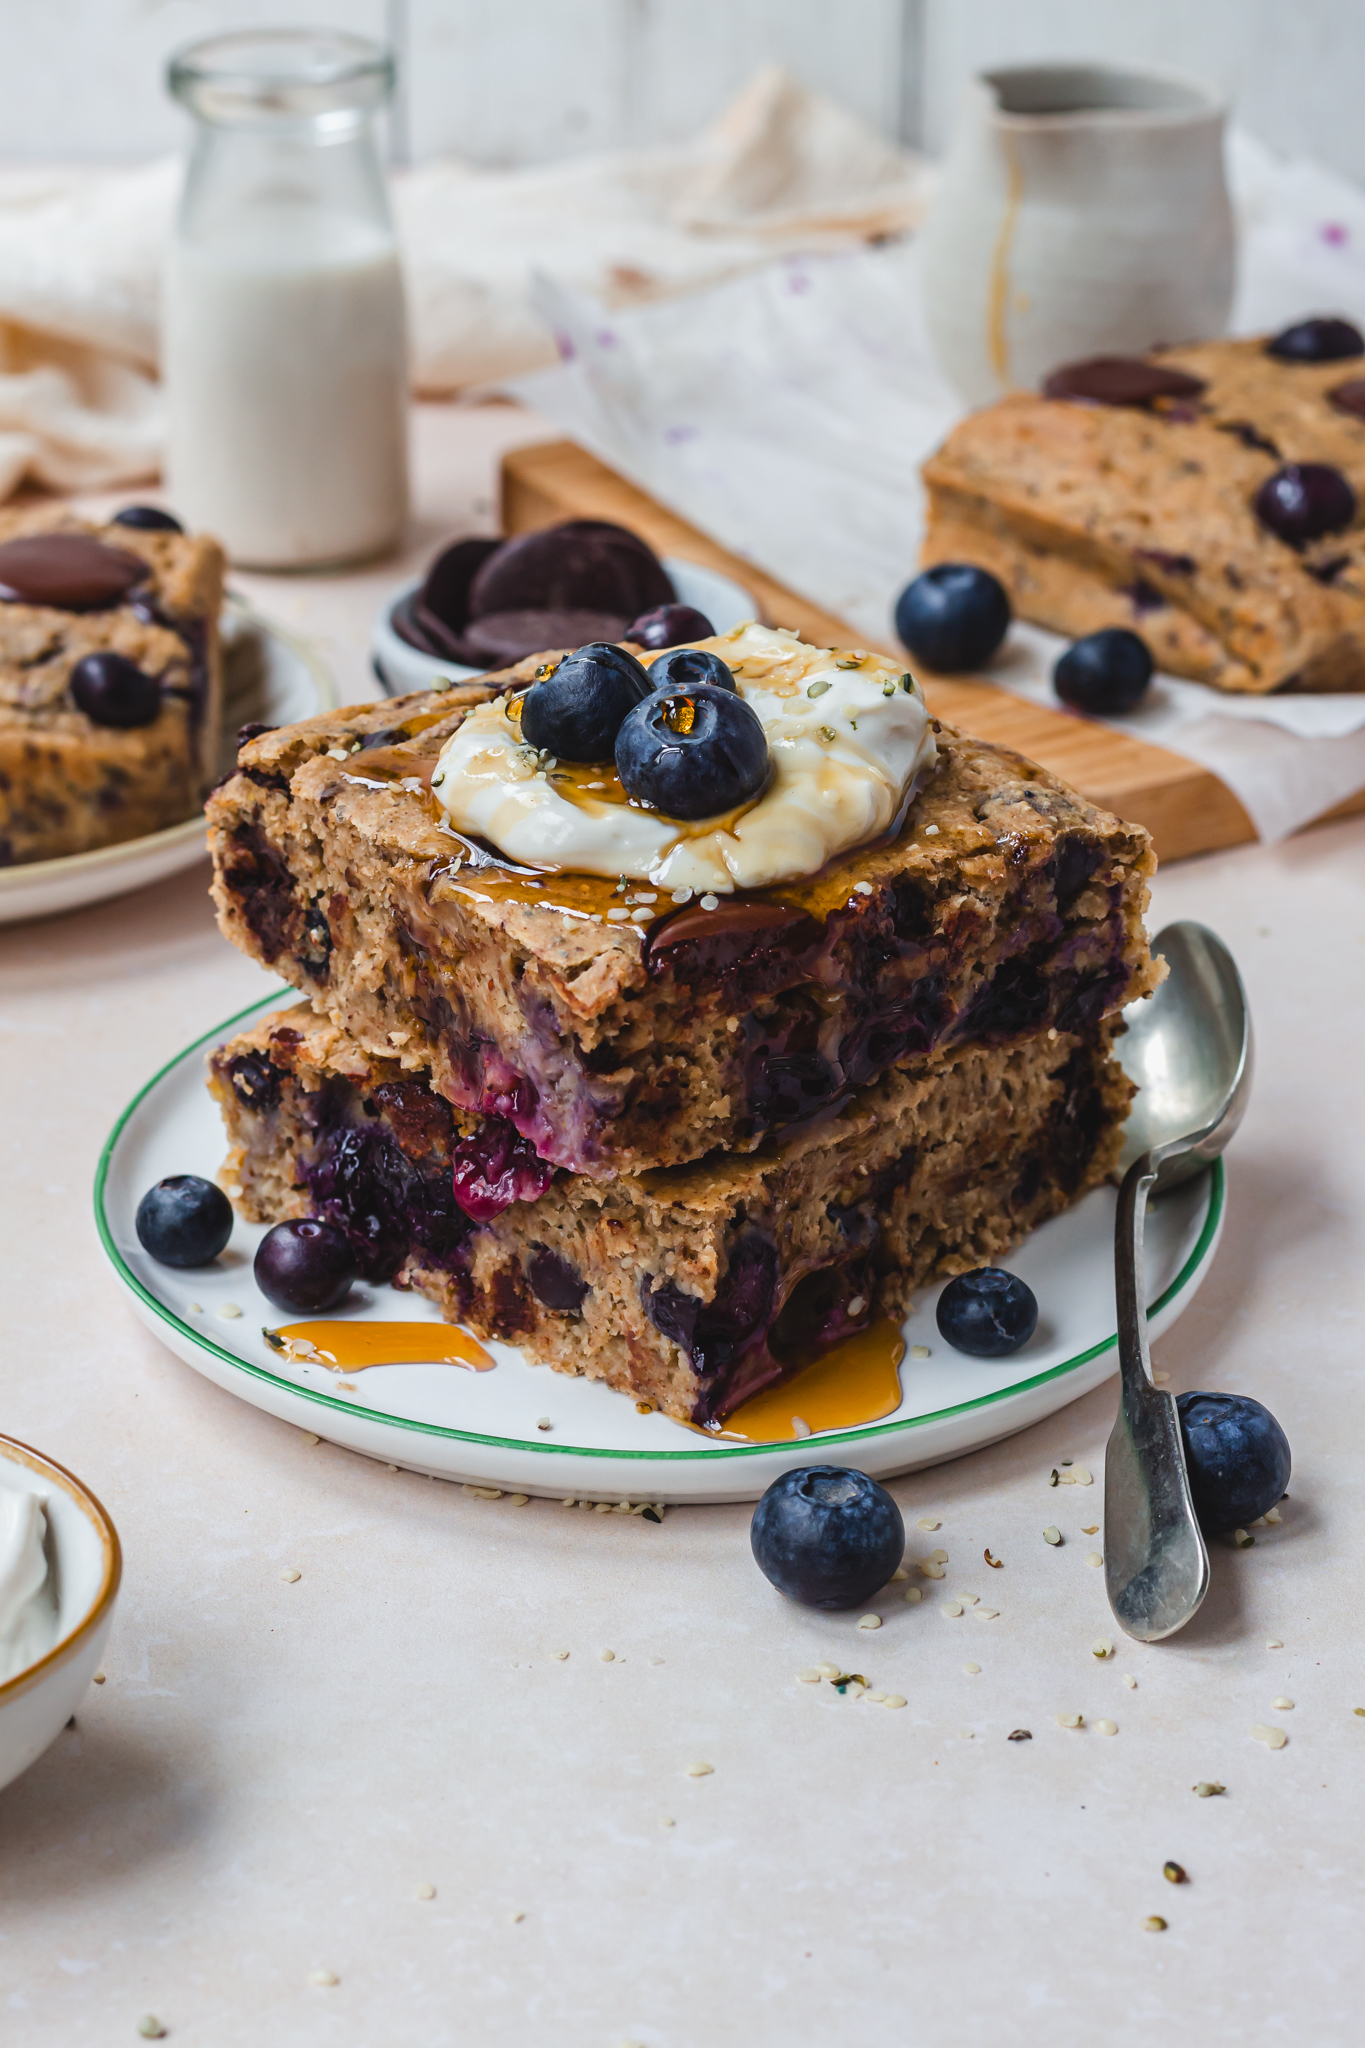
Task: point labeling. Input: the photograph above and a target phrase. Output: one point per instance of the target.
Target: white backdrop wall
(518, 81)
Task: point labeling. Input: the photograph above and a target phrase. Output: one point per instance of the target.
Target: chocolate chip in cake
(1120, 380)
(70, 571)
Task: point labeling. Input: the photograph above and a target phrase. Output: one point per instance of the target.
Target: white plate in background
(401, 668)
(269, 675)
(481, 1427)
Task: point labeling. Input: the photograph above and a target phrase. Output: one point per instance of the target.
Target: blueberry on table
(827, 1536)
(1106, 672)
(686, 668)
(1303, 501)
(576, 711)
(670, 624)
(184, 1221)
(148, 519)
(988, 1313)
(1238, 1458)
(953, 617)
(304, 1266)
(1322, 340)
(692, 754)
(111, 690)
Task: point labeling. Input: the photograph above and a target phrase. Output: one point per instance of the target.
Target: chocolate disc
(585, 564)
(1120, 380)
(69, 571)
(445, 591)
(1350, 397)
(500, 638)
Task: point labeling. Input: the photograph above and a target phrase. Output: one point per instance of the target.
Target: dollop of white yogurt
(850, 739)
(28, 1612)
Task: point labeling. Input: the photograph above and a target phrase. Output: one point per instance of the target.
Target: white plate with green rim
(269, 675)
(481, 1428)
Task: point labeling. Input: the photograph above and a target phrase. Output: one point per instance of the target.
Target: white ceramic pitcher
(1083, 211)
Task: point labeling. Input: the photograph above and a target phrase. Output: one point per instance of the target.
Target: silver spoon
(1188, 1048)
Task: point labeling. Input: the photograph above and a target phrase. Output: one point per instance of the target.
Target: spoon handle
(1155, 1565)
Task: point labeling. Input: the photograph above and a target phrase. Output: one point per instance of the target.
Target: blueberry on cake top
(109, 680)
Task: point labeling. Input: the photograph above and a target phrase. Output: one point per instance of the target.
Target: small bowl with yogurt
(486, 604)
(60, 1567)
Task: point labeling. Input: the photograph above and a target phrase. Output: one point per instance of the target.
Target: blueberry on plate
(184, 1221)
(1322, 340)
(953, 617)
(148, 519)
(575, 712)
(988, 1313)
(668, 625)
(304, 1265)
(1303, 501)
(111, 690)
(692, 754)
(1106, 672)
(1238, 1458)
(686, 668)
(827, 1536)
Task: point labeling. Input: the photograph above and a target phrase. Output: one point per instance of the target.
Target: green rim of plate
(1212, 1218)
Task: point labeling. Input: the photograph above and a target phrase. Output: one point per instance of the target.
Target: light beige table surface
(272, 1769)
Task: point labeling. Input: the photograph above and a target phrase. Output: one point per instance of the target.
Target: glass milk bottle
(284, 349)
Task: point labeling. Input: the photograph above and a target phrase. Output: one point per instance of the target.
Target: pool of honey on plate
(855, 1381)
(352, 1347)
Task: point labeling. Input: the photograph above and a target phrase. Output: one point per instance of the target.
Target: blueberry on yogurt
(183, 1221)
(1238, 1458)
(953, 617)
(988, 1313)
(684, 668)
(827, 1536)
(692, 754)
(305, 1266)
(576, 711)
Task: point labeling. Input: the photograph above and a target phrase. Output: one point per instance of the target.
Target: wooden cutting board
(1185, 808)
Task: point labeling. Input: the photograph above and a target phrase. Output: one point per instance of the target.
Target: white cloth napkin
(797, 442)
(81, 253)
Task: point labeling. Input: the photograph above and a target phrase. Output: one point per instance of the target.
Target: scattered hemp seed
(426, 1891)
(972, 1670)
(914, 1596)
(985, 1613)
(931, 831)
(309, 1437)
(1174, 1873)
(196, 1308)
(100, 1677)
(899, 1573)
(608, 1656)
(938, 1557)
(1273, 1738)
(997, 1564)
(1208, 1788)
(1274, 1644)
(290, 1576)
(683, 895)
(951, 1609)
(1154, 1924)
(921, 1351)
(559, 1655)
(1106, 1727)
(517, 1500)
(894, 1699)
(1093, 1557)
(150, 2027)
(930, 1569)
(1020, 1735)
(928, 1522)
(1282, 1703)
(811, 1677)
(1051, 1535)
(516, 1915)
(1080, 1477)
(1091, 1529)
(701, 1770)
(1069, 1721)
(1243, 1538)
(862, 888)
(1130, 1681)
(710, 902)
(800, 1426)
(323, 1977)
(229, 1311)
(666, 1820)
(968, 1599)
(1273, 1516)
(828, 1670)
(1102, 1647)
(869, 1621)
(544, 1423)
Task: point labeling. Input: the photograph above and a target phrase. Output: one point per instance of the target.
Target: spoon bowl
(1188, 1048)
